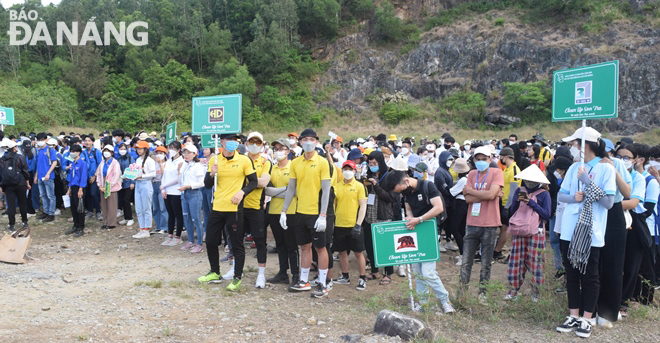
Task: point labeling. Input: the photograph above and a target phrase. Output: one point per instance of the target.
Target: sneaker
(234, 285)
(418, 308)
(249, 238)
(42, 216)
(226, 249)
(560, 289)
(130, 223)
(335, 258)
(49, 219)
(559, 274)
(320, 291)
(120, 213)
(362, 285)
(123, 222)
(89, 215)
(510, 297)
(584, 330)
(187, 246)
(104, 227)
(261, 282)
(401, 271)
(211, 277)
(459, 260)
(25, 225)
(300, 286)
(498, 255)
(227, 258)
(30, 215)
(230, 274)
(175, 241)
(329, 284)
(167, 241)
(451, 246)
(57, 212)
(344, 281)
(79, 233)
(315, 280)
(161, 232)
(73, 229)
(272, 250)
(441, 247)
(196, 249)
(282, 278)
(10, 228)
(448, 308)
(571, 324)
(70, 220)
(253, 246)
(142, 234)
(604, 323)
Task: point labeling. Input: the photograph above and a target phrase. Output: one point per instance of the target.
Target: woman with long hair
(170, 192)
(146, 167)
(191, 179)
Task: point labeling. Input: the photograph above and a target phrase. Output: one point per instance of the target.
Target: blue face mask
(481, 165)
(231, 145)
(417, 175)
(373, 168)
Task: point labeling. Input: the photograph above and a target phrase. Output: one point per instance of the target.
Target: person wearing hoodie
(16, 187)
(444, 181)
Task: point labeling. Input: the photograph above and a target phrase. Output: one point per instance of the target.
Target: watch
(420, 219)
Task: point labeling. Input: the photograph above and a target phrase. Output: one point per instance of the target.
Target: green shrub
(464, 107)
(388, 28)
(532, 102)
(499, 22)
(393, 113)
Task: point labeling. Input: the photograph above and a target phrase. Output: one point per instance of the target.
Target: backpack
(442, 217)
(10, 172)
(525, 222)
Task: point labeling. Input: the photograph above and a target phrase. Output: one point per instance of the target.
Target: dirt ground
(108, 287)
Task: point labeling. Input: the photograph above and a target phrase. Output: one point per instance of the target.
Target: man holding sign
(423, 202)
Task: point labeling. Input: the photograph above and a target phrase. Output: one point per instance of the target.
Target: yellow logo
(216, 114)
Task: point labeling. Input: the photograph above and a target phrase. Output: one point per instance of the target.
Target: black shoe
(42, 216)
(25, 225)
(79, 233)
(272, 250)
(295, 278)
(571, 324)
(73, 229)
(282, 278)
(111, 227)
(320, 291)
(104, 227)
(49, 219)
(10, 228)
(498, 255)
(584, 330)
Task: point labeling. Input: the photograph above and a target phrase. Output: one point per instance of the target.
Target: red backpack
(525, 222)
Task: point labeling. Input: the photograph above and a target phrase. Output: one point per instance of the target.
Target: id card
(476, 208)
(371, 199)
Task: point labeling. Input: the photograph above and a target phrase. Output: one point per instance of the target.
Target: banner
(394, 244)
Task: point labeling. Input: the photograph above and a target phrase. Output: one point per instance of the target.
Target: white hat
(143, 136)
(399, 164)
(491, 148)
(484, 150)
(255, 134)
(158, 142)
(52, 141)
(3, 142)
(369, 145)
(534, 174)
(360, 140)
(109, 147)
(467, 142)
(590, 135)
(10, 144)
(190, 147)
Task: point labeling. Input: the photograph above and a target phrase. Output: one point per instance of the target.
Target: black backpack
(442, 217)
(10, 173)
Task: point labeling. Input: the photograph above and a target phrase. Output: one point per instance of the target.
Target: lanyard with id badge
(476, 207)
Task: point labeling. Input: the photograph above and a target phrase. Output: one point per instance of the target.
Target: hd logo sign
(216, 114)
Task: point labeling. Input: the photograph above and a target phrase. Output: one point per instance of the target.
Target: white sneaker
(448, 308)
(58, 212)
(130, 223)
(451, 246)
(401, 271)
(175, 242)
(441, 247)
(120, 213)
(226, 249)
(459, 260)
(261, 281)
(142, 234)
(604, 323)
(123, 222)
(167, 241)
(230, 274)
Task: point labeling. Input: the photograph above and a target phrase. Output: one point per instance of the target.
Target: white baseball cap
(52, 141)
(10, 144)
(255, 134)
(484, 150)
(190, 147)
(590, 135)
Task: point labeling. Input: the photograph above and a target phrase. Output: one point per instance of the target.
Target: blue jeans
(427, 278)
(47, 191)
(159, 209)
(143, 201)
(554, 243)
(191, 203)
(207, 203)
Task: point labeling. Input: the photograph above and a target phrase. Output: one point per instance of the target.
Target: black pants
(611, 264)
(59, 190)
(582, 289)
(285, 243)
(647, 276)
(369, 247)
(457, 222)
(12, 192)
(254, 221)
(174, 214)
(125, 195)
(30, 207)
(633, 260)
(78, 218)
(217, 223)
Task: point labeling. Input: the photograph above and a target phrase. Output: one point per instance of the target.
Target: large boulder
(391, 323)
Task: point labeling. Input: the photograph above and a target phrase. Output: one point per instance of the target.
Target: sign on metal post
(170, 133)
(208, 141)
(394, 244)
(6, 116)
(217, 114)
(588, 92)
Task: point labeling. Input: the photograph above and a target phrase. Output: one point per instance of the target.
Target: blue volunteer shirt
(45, 157)
(625, 174)
(652, 194)
(92, 158)
(78, 174)
(638, 191)
(603, 174)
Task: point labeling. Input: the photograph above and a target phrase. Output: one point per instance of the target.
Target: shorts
(306, 233)
(344, 241)
(253, 222)
(504, 215)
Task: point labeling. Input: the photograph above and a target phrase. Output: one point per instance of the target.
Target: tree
(532, 101)
(268, 54)
(87, 74)
(318, 17)
(174, 81)
(217, 45)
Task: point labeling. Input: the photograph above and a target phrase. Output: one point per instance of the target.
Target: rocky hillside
(478, 55)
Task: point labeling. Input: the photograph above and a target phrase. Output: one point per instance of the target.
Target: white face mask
(575, 152)
(449, 163)
(292, 141)
(466, 147)
(557, 175)
(405, 151)
(122, 152)
(41, 144)
(253, 148)
(628, 164)
(655, 164)
(309, 146)
(348, 174)
(107, 154)
(160, 157)
(172, 152)
(353, 147)
(280, 155)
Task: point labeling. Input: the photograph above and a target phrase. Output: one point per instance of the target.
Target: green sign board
(6, 116)
(207, 140)
(394, 244)
(170, 133)
(217, 114)
(589, 92)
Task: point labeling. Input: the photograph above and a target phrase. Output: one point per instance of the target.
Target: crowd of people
(597, 204)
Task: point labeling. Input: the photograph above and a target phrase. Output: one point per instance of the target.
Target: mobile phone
(523, 193)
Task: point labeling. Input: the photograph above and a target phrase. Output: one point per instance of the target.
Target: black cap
(119, 132)
(562, 162)
(449, 139)
(308, 133)
(228, 135)
(445, 135)
(626, 140)
(74, 140)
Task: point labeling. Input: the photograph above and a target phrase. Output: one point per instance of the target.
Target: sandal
(372, 276)
(385, 281)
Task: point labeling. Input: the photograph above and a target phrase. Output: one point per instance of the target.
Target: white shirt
(457, 190)
(170, 181)
(149, 170)
(192, 174)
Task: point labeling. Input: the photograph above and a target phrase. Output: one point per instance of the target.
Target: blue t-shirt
(78, 174)
(625, 174)
(604, 175)
(638, 191)
(45, 157)
(652, 194)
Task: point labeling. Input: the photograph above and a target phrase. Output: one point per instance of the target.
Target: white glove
(320, 224)
(283, 221)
